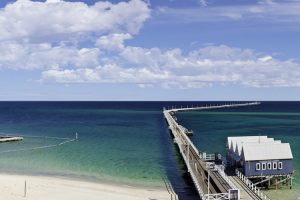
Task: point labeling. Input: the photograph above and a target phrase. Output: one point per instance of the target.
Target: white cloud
(113, 41)
(22, 55)
(106, 74)
(264, 11)
(142, 85)
(202, 2)
(59, 34)
(77, 43)
(200, 68)
(265, 59)
(28, 19)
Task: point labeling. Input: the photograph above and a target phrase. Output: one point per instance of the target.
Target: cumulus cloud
(106, 74)
(200, 68)
(30, 56)
(31, 20)
(57, 34)
(77, 43)
(113, 41)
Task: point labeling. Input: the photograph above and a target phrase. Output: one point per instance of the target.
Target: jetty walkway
(209, 179)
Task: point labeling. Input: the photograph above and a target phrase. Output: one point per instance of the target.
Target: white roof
(271, 151)
(232, 141)
(240, 143)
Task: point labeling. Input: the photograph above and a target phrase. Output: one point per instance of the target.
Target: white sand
(50, 188)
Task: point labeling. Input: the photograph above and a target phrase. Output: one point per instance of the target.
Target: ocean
(129, 143)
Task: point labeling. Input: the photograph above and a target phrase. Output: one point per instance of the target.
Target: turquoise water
(119, 142)
(212, 128)
(115, 145)
(129, 143)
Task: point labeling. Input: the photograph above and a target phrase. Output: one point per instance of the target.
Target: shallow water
(120, 142)
(128, 142)
(115, 145)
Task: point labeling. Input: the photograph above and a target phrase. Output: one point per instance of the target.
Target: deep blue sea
(128, 142)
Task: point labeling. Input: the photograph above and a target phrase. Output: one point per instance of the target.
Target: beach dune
(51, 188)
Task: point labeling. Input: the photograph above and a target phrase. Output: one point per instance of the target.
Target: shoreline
(119, 181)
(49, 188)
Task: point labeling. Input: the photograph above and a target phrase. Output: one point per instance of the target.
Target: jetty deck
(211, 182)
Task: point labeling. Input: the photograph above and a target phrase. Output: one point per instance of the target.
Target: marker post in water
(76, 136)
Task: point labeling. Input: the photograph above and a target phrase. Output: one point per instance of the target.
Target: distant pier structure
(206, 170)
(266, 162)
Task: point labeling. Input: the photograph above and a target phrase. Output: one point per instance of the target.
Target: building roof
(232, 141)
(240, 143)
(271, 151)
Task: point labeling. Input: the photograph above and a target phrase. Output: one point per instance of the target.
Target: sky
(198, 50)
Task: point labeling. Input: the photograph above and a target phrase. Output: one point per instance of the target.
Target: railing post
(208, 182)
(188, 155)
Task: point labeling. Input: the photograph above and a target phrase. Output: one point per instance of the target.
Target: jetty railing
(225, 177)
(206, 107)
(207, 157)
(251, 185)
(186, 147)
(218, 196)
(174, 126)
(169, 188)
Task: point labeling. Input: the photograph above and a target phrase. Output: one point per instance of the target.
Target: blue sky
(150, 50)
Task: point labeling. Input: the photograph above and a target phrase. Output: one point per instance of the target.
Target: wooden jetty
(173, 110)
(209, 179)
(10, 138)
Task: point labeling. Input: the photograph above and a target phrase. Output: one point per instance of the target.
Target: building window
(274, 165)
(279, 165)
(257, 166)
(263, 166)
(269, 166)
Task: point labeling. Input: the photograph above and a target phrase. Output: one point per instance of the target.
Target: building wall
(232, 158)
(249, 168)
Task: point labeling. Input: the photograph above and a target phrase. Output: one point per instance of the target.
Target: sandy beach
(50, 188)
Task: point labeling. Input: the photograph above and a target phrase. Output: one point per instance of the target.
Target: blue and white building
(258, 156)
